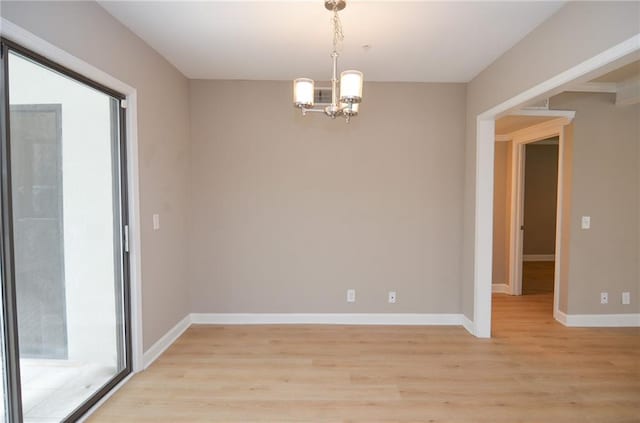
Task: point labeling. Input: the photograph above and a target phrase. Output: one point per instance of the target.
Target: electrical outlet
(392, 297)
(351, 295)
(586, 222)
(626, 298)
(604, 298)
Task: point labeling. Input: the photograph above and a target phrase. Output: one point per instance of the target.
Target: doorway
(539, 216)
(527, 235)
(66, 332)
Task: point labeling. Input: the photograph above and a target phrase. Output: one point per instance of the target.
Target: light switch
(351, 295)
(156, 222)
(586, 222)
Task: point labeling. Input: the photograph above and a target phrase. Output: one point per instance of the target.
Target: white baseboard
(424, 319)
(599, 320)
(500, 288)
(468, 325)
(165, 342)
(327, 318)
(560, 317)
(539, 257)
(420, 319)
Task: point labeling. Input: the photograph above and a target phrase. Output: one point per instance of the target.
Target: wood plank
(532, 370)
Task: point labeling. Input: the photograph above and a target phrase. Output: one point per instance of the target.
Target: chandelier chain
(338, 35)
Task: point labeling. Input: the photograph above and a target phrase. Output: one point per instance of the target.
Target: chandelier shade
(303, 89)
(351, 86)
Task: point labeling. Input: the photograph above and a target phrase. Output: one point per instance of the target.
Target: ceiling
(420, 41)
(625, 73)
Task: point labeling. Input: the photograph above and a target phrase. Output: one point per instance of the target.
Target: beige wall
(501, 212)
(606, 139)
(574, 34)
(88, 32)
(540, 202)
(288, 212)
(376, 206)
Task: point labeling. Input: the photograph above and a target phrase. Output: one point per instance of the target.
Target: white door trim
(520, 140)
(483, 248)
(38, 45)
(485, 140)
(517, 204)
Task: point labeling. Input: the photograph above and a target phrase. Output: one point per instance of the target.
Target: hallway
(537, 277)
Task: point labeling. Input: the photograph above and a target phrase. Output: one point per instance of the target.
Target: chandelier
(345, 94)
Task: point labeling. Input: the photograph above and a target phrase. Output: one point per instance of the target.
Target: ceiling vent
(322, 96)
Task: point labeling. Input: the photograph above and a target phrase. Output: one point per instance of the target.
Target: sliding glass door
(64, 214)
(3, 388)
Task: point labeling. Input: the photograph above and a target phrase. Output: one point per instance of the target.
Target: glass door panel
(65, 165)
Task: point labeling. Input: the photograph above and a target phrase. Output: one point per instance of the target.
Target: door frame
(42, 47)
(119, 158)
(86, 71)
(520, 139)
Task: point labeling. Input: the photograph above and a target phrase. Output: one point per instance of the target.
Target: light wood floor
(537, 277)
(532, 370)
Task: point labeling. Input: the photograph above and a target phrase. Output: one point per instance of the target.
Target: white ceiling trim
(627, 92)
(569, 114)
(595, 87)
